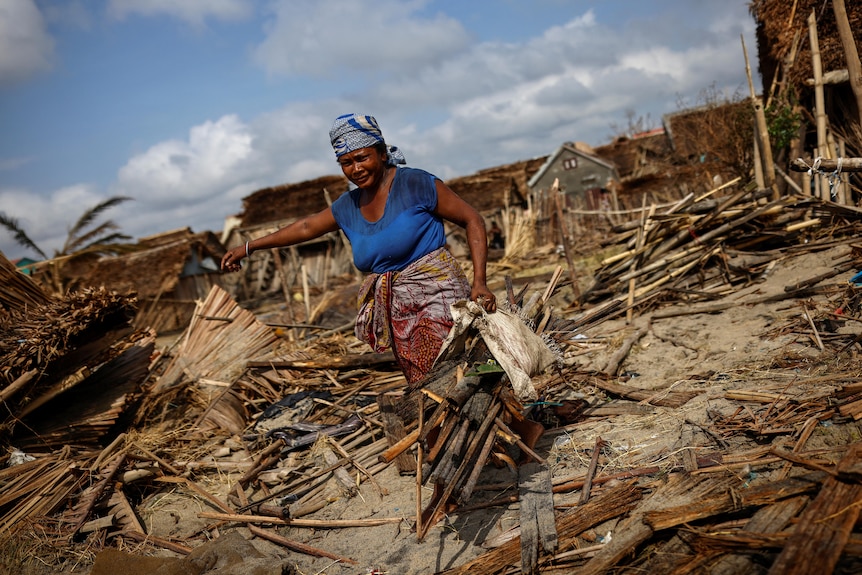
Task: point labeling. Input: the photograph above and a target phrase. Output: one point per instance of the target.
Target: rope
(834, 178)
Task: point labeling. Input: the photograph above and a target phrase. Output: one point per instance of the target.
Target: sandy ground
(743, 347)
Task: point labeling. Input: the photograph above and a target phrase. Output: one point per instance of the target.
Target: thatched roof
(707, 129)
(493, 188)
(636, 156)
(156, 268)
(290, 201)
(779, 21)
(485, 190)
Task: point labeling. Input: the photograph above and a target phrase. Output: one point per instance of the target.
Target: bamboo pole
(419, 467)
(828, 165)
(819, 104)
(765, 148)
(851, 54)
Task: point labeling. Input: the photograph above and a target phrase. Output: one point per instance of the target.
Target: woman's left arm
(450, 206)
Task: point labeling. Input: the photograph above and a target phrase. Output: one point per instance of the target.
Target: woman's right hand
(231, 260)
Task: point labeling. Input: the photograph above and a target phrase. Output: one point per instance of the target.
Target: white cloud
(326, 37)
(573, 82)
(193, 182)
(194, 12)
(47, 219)
(26, 48)
(175, 172)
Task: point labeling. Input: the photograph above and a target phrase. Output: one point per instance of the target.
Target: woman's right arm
(301, 230)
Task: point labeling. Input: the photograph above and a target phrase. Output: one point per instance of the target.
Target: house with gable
(584, 177)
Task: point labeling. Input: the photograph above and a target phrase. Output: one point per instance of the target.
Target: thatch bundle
(19, 291)
(70, 368)
(56, 328)
(780, 21)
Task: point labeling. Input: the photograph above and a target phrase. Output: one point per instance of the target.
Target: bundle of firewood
(703, 248)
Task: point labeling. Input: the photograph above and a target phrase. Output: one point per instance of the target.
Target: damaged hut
(295, 270)
(168, 273)
(808, 54)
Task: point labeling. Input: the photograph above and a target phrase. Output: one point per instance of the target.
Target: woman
(394, 222)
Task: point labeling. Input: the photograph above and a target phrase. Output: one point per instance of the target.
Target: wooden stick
(310, 523)
(828, 165)
(819, 97)
(360, 467)
(814, 329)
(517, 438)
(419, 466)
(165, 465)
(16, 385)
(594, 461)
(199, 490)
(157, 541)
(639, 244)
(761, 131)
(470, 484)
(399, 447)
(567, 244)
(620, 355)
(297, 546)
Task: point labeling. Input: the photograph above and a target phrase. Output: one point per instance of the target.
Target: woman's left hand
(483, 296)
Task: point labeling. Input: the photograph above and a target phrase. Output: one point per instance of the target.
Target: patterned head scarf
(354, 131)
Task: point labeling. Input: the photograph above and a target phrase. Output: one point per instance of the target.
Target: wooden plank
(538, 528)
(702, 505)
(824, 527)
(393, 427)
(612, 503)
(770, 520)
(634, 531)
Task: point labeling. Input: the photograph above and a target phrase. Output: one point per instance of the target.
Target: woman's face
(364, 167)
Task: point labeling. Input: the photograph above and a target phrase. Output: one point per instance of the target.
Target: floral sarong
(409, 310)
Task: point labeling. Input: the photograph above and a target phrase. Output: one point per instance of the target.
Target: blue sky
(188, 106)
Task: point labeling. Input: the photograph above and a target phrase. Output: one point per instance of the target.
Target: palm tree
(100, 240)
(21, 237)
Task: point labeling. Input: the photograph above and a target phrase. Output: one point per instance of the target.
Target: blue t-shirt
(407, 230)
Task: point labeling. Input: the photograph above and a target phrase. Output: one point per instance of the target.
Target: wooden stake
(814, 329)
(567, 247)
(419, 467)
